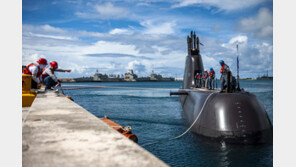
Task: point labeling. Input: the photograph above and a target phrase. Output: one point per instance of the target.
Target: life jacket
(211, 73)
(198, 76)
(221, 71)
(205, 75)
(27, 71)
(44, 75)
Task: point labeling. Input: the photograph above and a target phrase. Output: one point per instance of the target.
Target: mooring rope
(76, 87)
(177, 137)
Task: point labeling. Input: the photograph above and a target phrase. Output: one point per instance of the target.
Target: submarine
(232, 117)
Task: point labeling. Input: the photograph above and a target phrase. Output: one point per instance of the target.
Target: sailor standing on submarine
(211, 78)
(48, 76)
(198, 80)
(224, 69)
(205, 79)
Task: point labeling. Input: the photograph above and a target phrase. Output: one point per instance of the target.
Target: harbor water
(154, 115)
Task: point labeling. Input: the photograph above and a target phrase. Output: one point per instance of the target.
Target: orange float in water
(126, 131)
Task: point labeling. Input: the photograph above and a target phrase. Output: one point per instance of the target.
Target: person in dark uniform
(232, 83)
(205, 79)
(198, 80)
(224, 69)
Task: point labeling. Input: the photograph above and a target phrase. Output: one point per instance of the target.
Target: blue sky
(114, 36)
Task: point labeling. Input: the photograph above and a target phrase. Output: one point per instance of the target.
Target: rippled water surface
(154, 115)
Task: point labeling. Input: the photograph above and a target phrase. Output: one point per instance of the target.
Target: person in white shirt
(48, 76)
(35, 70)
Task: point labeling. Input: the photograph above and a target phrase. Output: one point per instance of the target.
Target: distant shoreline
(74, 80)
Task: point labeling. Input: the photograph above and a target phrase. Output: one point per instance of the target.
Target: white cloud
(119, 31)
(104, 11)
(109, 10)
(241, 40)
(165, 53)
(238, 39)
(260, 25)
(227, 5)
(137, 66)
(52, 29)
(52, 36)
(29, 58)
(73, 54)
(158, 28)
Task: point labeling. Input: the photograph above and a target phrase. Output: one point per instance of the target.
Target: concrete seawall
(58, 132)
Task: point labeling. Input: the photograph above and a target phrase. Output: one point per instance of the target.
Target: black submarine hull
(230, 117)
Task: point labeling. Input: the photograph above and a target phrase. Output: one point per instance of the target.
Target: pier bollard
(28, 95)
(26, 82)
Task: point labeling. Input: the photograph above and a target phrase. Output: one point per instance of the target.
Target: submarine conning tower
(193, 63)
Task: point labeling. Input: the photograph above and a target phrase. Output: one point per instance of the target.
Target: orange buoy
(126, 131)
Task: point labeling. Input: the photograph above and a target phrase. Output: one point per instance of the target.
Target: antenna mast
(237, 63)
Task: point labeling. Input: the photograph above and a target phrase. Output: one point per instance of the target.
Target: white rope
(187, 129)
(90, 87)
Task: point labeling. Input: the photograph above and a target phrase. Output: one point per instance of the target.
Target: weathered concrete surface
(58, 132)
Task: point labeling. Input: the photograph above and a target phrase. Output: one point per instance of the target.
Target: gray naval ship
(236, 117)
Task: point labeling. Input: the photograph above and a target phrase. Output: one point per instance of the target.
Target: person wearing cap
(35, 70)
(198, 77)
(48, 76)
(224, 70)
(211, 78)
(205, 79)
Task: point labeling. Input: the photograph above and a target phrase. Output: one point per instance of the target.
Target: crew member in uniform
(205, 79)
(35, 69)
(211, 78)
(232, 83)
(198, 80)
(224, 69)
(48, 76)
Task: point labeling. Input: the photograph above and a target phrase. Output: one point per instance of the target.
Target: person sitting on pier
(48, 76)
(224, 70)
(211, 78)
(35, 69)
(205, 79)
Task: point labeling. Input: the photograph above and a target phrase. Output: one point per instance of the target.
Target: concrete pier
(59, 132)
